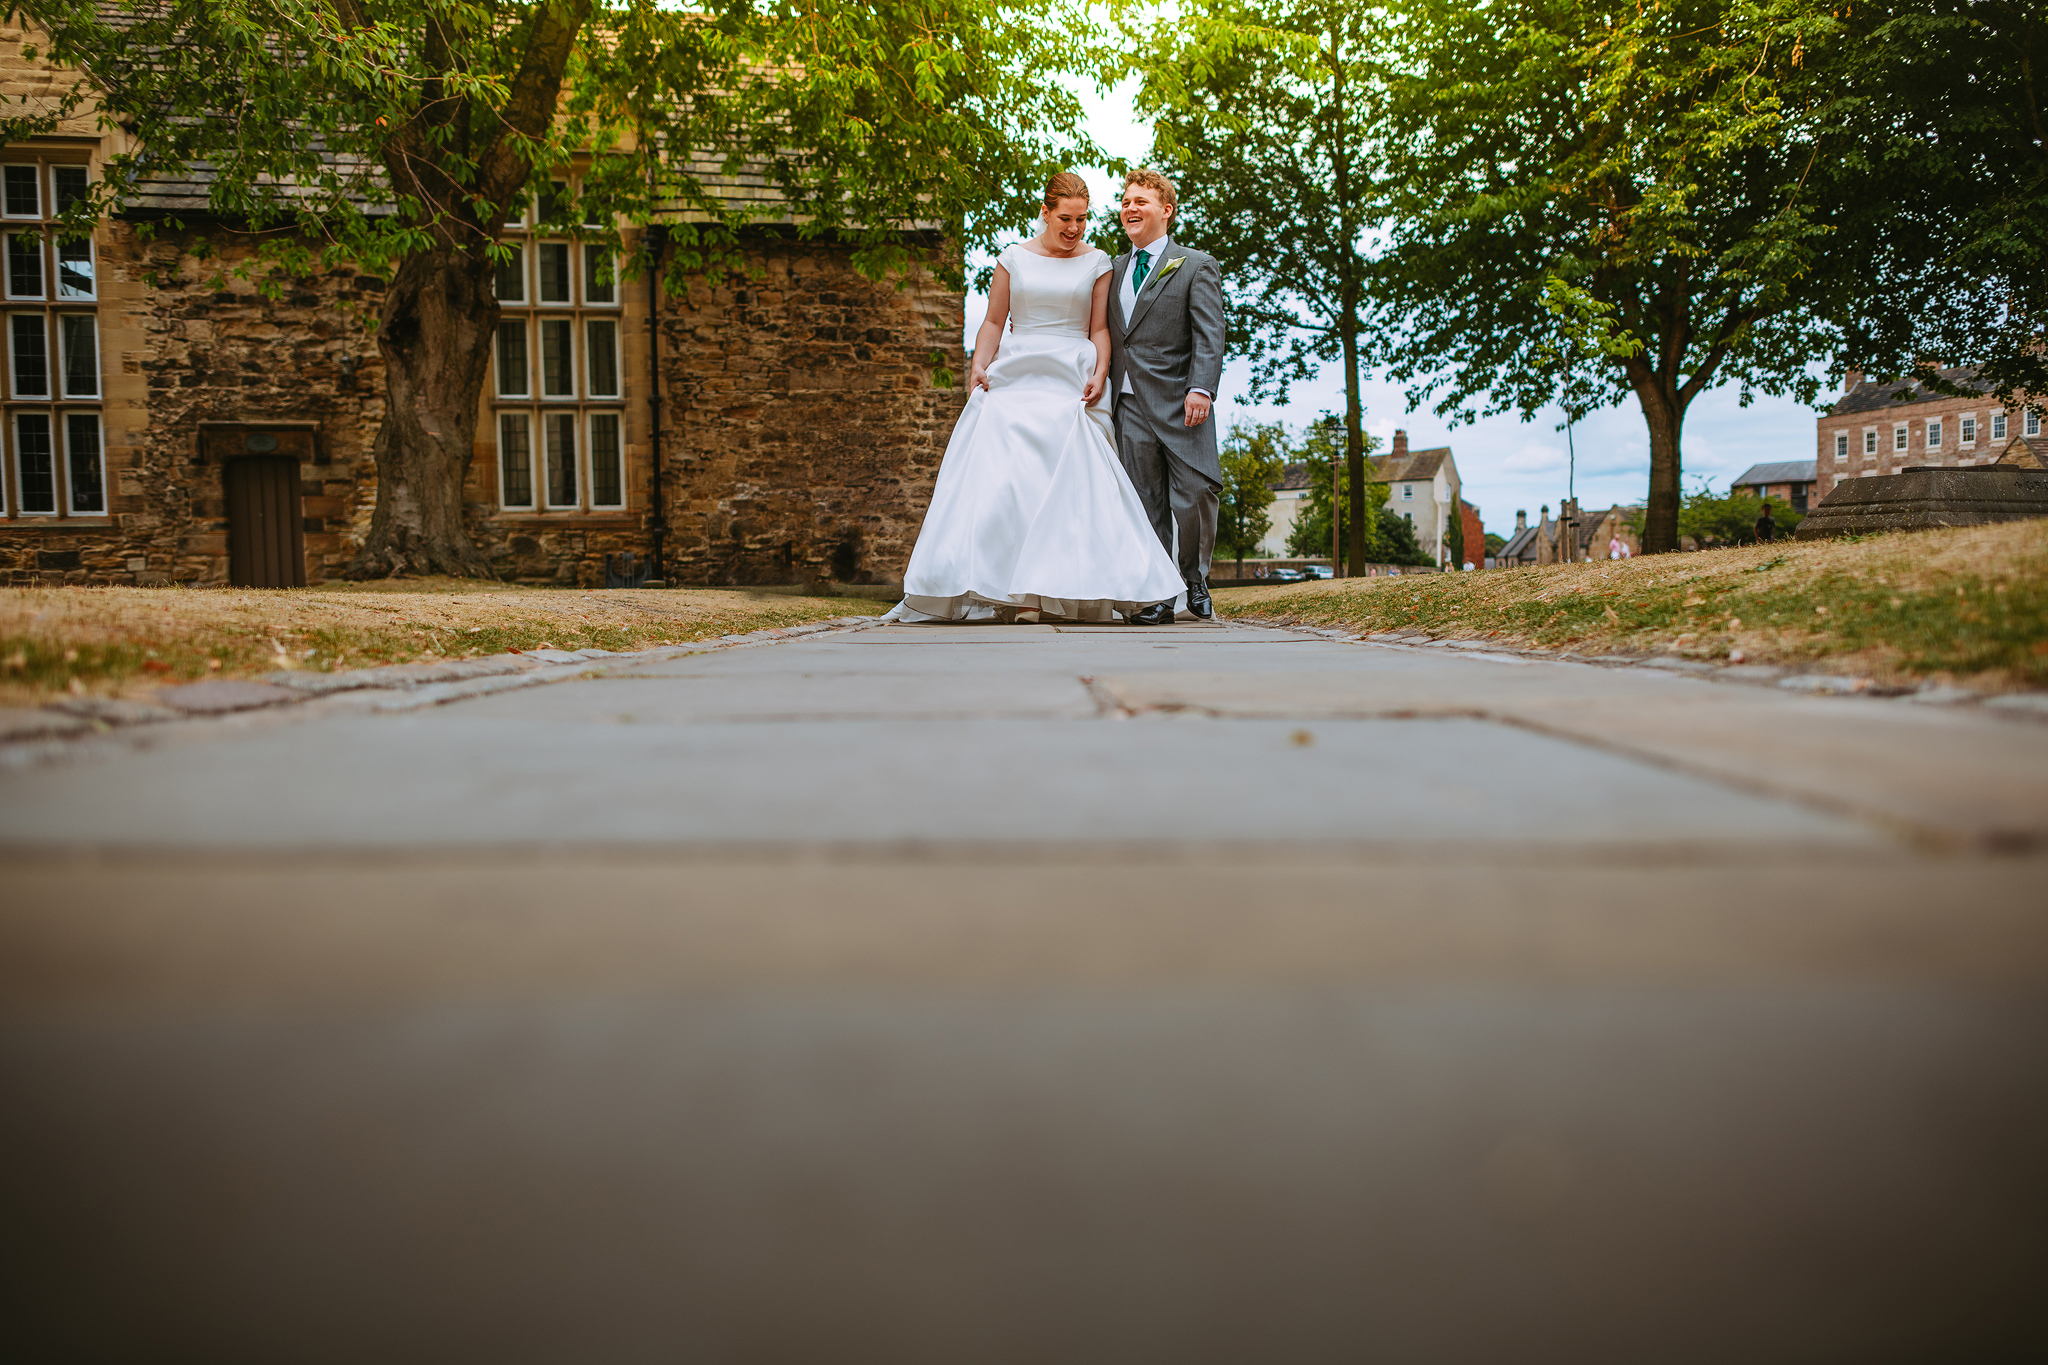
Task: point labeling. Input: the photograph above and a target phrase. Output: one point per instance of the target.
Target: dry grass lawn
(123, 641)
(1967, 604)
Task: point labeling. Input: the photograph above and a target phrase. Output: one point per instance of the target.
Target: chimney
(1851, 380)
(1521, 519)
(1400, 444)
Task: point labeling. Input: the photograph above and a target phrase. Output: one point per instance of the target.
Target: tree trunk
(440, 313)
(1664, 414)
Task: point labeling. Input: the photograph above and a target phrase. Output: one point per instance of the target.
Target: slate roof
(1521, 545)
(1294, 475)
(1420, 466)
(1785, 471)
(1871, 395)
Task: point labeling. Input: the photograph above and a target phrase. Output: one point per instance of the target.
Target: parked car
(1318, 571)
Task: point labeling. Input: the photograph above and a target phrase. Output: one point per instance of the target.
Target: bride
(1033, 514)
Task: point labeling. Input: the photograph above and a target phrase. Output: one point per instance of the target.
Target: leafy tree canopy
(1254, 457)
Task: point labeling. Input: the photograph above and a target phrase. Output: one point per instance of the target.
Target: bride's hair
(1065, 185)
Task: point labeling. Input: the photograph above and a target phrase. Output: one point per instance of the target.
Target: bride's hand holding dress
(1032, 509)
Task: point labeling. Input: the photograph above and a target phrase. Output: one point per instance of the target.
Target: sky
(1505, 464)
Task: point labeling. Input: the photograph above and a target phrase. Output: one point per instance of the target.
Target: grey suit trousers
(1176, 495)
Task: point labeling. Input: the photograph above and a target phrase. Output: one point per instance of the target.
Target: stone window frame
(1998, 426)
(541, 321)
(1934, 433)
(1842, 445)
(1899, 436)
(2031, 424)
(1869, 441)
(78, 477)
(1966, 431)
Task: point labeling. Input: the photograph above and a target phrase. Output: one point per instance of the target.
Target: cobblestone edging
(2030, 705)
(397, 687)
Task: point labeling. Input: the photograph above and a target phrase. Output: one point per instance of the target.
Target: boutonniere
(1167, 269)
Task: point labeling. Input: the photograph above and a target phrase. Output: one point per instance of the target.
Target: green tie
(1144, 260)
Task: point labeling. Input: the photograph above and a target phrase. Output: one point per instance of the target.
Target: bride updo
(1065, 185)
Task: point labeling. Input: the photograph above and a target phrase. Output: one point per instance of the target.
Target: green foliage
(1454, 534)
(1594, 200)
(1254, 457)
(1730, 518)
(1397, 541)
(1322, 450)
(1495, 544)
(370, 131)
(1262, 111)
(1946, 103)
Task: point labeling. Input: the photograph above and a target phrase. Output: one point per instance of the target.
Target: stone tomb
(1928, 496)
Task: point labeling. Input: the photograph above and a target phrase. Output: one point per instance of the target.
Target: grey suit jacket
(1171, 342)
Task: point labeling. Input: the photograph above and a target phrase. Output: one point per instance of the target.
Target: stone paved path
(1021, 993)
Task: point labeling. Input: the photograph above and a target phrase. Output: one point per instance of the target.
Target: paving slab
(1006, 993)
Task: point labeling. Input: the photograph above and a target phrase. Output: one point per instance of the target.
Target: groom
(1165, 361)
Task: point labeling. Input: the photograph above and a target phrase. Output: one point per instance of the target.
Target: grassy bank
(1969, 604)
(123, 641)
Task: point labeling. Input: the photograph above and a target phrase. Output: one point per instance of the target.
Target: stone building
(1575, 537)
(167, 423)
(1883, 428)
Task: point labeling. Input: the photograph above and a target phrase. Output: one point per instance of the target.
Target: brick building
(1878, 428)
(1788, 482)
(164, 422)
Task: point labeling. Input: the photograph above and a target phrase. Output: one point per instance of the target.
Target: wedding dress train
(1032, 509)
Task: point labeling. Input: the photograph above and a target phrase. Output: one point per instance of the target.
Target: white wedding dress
(1032, 508)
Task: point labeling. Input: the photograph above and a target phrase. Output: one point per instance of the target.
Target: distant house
(1573, 538)
(1788, 481)
(1287, 505)
(1422, 486)
(1885, 427)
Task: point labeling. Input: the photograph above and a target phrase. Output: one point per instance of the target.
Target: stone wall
(180, 354)
(804, 423)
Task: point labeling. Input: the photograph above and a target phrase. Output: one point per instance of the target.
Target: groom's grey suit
(1171, 342)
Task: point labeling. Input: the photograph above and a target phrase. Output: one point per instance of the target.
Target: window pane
(31, 346)
(554, 202)
(1998, 426)
(2033, 423)
(554, 271)
(511, 285)
(1934, 435)
(604, 359)
(22, 199)
(82, 446)
(81, 355)
(515, 459)
(1870, 443)
(72, 185)
(557, 358)
(599, 286)
(74, 270)
(607, 479)
(561, 438)
(24, 265)
(512, 371)
(38, 465)
(1969, 431)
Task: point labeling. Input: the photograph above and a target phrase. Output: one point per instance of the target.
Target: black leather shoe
(1198, 599)
(1158, 614)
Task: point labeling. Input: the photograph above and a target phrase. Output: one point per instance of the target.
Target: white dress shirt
(1155, 257)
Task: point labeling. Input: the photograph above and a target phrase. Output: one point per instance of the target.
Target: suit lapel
(1154, 285)
(1119, 267)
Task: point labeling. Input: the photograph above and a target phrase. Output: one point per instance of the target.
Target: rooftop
(1872, 395)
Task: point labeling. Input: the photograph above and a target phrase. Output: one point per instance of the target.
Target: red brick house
(1883, 428)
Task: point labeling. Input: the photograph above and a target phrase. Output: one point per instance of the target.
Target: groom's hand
(1198, 409)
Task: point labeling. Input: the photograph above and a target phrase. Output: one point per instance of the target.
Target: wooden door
(266, 537)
